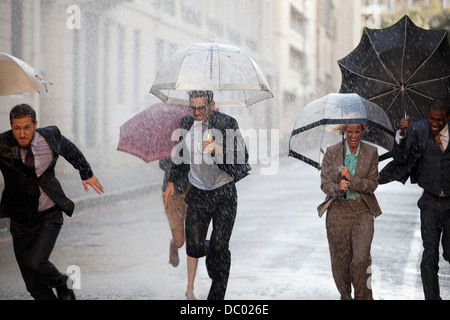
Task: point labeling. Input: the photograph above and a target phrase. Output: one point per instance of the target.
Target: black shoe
(65, 293)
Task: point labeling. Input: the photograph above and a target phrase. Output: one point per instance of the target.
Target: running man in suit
(421, 153)
(213, 166)
(33, 198)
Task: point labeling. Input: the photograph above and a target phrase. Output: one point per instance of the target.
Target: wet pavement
(119, 242)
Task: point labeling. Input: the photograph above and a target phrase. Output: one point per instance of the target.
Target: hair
(440, 105)
(208, 94)
(21, 111)
(342, 127)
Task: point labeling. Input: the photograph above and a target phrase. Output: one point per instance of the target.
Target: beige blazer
(365, 180)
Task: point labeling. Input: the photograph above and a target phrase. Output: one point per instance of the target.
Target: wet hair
(21, 111)
(208, 94)
(440, 105)
(342, 127)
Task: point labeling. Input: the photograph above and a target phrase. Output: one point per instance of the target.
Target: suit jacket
(418, 159)
(20, 195)
(365, 180)
(238, 167)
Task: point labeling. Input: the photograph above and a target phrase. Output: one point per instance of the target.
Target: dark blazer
(238, 167)
(419, 158)
(365, 180)
(20, 195)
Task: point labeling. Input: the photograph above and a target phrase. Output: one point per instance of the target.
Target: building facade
(102, 57)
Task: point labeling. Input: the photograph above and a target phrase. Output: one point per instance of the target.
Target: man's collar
(444, 132)
(35, 138)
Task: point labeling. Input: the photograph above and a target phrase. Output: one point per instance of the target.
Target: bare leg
(192, 270)
(176, 242)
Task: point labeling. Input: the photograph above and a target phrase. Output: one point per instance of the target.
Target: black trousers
(220, 206)
(435, 223)
(33, 245)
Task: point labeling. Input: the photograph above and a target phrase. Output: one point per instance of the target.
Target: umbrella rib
(371, 78)
(403, 52)
(305, 159)
(254, 70)
(417, 84)
(429, 57)
(420, 94)
(414, 104)
(211, 63)
(337, 121)
(381, 61)
(384, 94)
(392, 102)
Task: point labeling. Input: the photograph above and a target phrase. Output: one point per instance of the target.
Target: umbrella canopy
(17, 77)
(233, 76)
(148, 134)
(315, 128)
(402, 68)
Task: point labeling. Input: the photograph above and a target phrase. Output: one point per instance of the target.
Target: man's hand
(405, 123)
(94, 183)
(209, 146)
(170, 189)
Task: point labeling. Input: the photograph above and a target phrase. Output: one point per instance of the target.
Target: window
(296, 59)
(297, 21)
(190, 14)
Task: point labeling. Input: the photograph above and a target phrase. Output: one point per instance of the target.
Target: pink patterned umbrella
(148, 134)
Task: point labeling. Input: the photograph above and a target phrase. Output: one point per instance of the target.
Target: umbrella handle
(345, 192)
(200, 144)
(343, 160)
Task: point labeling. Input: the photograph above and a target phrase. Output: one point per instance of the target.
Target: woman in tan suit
(352, 207)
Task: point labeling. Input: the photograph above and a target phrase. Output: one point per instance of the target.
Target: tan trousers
(350, 227)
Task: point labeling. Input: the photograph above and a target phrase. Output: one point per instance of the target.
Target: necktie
(29, 158)
(438, 139)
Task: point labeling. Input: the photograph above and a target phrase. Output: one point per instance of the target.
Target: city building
(102, 57)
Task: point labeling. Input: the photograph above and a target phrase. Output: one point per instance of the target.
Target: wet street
(119, 244)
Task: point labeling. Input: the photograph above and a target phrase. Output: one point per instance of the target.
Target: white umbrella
(16, 76)
(237, 81)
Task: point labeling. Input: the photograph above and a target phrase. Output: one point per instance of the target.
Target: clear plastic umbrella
(237, 81)
(16, 76)
(316, 125)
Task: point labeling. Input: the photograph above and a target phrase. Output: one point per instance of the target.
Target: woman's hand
(346, 173)
(343, 186)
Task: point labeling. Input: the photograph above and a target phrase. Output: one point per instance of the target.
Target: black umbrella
(401, 68)
(316, 125)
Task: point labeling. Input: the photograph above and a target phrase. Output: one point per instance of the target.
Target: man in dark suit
(33, 199)
(213, 154)
(421, 154)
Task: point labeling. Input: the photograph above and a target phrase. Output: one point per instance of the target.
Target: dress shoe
(64, 293)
